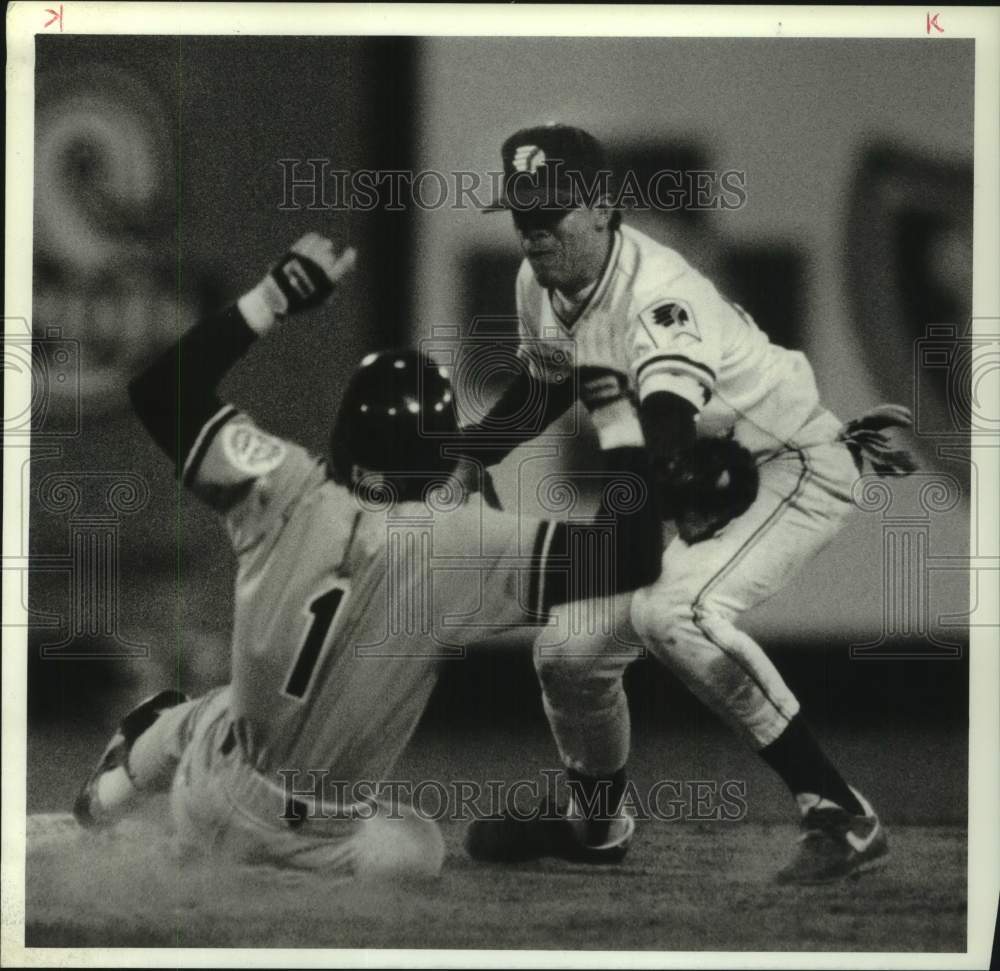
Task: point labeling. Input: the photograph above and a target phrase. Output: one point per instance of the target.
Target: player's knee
(577, 684)
(662, 621)
(561, 669)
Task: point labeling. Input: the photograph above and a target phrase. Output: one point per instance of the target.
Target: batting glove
(303, 278)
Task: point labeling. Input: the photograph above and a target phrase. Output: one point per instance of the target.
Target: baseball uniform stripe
(595, 295)
(697, 606)
(676, 358)
(608, 272)
(201, 444)
(539, 558)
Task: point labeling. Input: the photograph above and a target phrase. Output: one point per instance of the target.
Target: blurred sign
(909, 261)
(107, 271)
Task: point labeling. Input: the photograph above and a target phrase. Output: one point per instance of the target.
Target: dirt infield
(686, 886)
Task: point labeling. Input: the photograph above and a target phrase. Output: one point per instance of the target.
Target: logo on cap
(527, 158)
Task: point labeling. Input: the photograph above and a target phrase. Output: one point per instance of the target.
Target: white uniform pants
(686, 619)
(220, 805)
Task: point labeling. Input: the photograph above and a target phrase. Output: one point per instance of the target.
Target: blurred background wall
(159, 196)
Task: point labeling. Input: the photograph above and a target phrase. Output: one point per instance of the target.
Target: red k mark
(55, 16)
(932, 22)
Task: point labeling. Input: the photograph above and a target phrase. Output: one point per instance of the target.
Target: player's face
(565, 247)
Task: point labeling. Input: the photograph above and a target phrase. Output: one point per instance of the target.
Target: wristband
(263, 306)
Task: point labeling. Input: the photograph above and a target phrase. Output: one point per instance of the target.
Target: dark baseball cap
(552, 166)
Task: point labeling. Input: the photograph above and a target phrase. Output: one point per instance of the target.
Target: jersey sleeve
(518, 568)
(253, 478)
(486, 574)
(675, 348)
(515, 581)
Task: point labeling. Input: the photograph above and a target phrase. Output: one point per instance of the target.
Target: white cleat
(836, 844)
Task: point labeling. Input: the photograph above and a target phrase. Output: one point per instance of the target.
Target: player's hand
(475, 477)
(308, 273)
(707, 485)
(599, 386)
(605, 393)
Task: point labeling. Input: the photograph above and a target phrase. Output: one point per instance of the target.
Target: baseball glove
(868, 442)
(708, 484)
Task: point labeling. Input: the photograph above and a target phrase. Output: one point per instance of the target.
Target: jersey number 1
(323, 609)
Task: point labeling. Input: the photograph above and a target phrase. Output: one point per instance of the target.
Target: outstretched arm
(668, 425)
(621, 549)
(175, 397)
(491, 440)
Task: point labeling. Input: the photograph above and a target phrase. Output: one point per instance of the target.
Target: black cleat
(506, 838)
(836, 844)
(131, 727)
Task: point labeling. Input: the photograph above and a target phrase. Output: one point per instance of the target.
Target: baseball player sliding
(356, 576)
(700, 371)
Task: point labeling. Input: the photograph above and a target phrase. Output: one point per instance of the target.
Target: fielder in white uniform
(697, 365)
(357, 577)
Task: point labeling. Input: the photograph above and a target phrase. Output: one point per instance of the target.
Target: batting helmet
(396, 418)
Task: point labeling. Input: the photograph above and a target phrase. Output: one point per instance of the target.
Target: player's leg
(139, 759)
(580, 660)
(389, 845)
(222, 805)
(687, 618)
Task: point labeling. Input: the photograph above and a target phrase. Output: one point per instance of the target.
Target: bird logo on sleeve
(671, 313)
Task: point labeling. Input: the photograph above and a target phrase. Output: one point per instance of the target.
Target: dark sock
(796, 756)
(598, 799)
